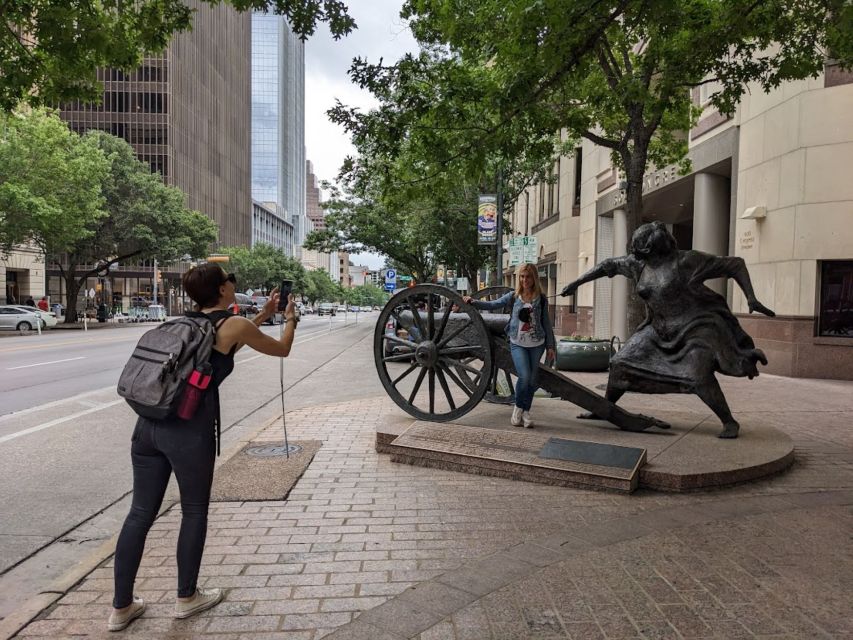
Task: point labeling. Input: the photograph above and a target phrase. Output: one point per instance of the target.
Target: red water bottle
(194, 390)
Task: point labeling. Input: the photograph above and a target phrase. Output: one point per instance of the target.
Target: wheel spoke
(455, 379)
(461, 365)
(404, 374)
(398, 357)
(431, 390)
(443, 382)
(417, 386)
(397, 340)
(454, 333)
(430, 318)
(444, 320)
(417, 320)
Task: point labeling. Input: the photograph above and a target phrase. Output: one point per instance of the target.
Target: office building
(278, 120)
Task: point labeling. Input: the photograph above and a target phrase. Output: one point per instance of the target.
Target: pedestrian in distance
(42, 304)
(530, 334)
(29, 302)
(188, 447)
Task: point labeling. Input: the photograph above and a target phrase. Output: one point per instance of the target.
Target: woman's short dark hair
(202, 284)
(652, 238)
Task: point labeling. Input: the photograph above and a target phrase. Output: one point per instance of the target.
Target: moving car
(342, 308)
(326, 309)
(20, 318)
(275, 318)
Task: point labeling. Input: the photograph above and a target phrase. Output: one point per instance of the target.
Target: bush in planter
(583, 353)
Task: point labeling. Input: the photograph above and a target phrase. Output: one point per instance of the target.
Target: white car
(19, 318)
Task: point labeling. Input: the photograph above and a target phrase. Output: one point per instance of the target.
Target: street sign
(523, 249)
(390, 286)
(462, 284)
(91, 293)
(405, 278)
(390, 276)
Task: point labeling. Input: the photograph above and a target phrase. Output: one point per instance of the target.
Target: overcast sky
(381, 33)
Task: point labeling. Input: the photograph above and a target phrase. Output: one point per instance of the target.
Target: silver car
(19, 318)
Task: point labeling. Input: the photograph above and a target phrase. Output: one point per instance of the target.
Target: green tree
(263, 267)
(51, 49)
(496, 82)
(50, 183)
(145, 219)
(319, 287)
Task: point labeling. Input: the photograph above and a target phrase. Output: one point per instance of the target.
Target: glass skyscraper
(278, 121)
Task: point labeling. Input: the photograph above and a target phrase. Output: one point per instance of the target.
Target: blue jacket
(541, 319)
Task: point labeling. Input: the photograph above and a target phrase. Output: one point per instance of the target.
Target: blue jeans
(526, 361)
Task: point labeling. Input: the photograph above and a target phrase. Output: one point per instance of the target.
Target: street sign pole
(499, 243)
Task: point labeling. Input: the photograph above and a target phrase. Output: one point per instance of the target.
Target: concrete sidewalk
(364, 548)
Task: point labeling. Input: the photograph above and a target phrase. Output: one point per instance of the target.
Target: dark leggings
(157, 449)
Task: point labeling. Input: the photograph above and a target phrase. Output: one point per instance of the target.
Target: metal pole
(500, 231)
(154, 288)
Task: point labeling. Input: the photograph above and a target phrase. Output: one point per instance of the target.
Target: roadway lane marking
(53, 423)
(320, 333)
(54, 403)
(41, 364)
(51, 345)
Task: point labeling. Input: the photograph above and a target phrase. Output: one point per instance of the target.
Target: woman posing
(188, 447)
(530, 334)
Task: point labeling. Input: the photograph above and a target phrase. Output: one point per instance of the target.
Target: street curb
(13, 623)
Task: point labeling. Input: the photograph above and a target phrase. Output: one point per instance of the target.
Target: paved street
(65, 482)
(365, 548)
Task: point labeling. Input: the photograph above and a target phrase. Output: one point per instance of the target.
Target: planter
(583, 355)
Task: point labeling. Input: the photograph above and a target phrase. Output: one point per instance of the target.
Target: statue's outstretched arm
(624, 266)
(735, 268)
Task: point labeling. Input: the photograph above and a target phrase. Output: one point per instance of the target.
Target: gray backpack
(154, 377)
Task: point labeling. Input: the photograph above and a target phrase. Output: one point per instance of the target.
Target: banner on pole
(487, 219)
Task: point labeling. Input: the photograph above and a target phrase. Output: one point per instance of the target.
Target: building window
(835, 317)
(576, 203)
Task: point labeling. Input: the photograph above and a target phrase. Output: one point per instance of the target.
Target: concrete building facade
(769, 185)
(271, 226)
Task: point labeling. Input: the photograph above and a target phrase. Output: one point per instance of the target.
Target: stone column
(711, 201)
(620, 286)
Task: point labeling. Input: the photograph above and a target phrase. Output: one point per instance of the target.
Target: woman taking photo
(530, 334)
(188, 447)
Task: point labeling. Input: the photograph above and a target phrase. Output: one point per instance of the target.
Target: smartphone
(284, 292)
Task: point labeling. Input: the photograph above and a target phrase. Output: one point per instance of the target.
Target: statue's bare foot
(660, 424)
(730, 430)
(589, 415)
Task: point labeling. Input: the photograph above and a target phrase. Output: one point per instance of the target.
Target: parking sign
(390, 276)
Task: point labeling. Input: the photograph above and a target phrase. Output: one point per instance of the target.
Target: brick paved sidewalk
(435, 554)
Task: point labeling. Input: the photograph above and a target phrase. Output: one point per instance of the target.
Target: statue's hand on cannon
(756, 306)
(570, 289)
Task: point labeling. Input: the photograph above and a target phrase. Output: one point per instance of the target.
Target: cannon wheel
(435, 354)
(493, 293)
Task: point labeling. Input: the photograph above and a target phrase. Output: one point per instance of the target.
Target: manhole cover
(273, 450)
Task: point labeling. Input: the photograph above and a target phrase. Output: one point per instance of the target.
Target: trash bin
(102, 312)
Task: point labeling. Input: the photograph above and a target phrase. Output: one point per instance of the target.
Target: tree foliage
(319, 287)
(497, 83)
(50, 183)
(50, 49)
(88, 202)
(263, 267)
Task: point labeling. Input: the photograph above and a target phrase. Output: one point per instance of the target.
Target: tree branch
(603, 142)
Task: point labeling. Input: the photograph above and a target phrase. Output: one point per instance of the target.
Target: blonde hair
(537, 285)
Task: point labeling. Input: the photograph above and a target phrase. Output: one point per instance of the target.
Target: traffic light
(159, 276)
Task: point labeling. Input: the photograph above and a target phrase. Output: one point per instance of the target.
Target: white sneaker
(119, 621)
(527, 420)
(515, 420)
(203, 600)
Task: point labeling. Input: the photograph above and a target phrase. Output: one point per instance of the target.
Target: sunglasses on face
(230, 278)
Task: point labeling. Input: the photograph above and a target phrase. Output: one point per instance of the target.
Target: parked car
(353, 308)
(259, 302)
(20, 318)
(365, 309)
(326, 309)
(342, 308)
(49, 317)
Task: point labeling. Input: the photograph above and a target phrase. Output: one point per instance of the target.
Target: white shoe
(527, 420)
(119, 621)
(203, 600)
(515, 420)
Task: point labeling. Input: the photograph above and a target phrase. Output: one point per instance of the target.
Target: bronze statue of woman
(689, 332)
